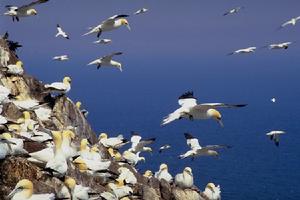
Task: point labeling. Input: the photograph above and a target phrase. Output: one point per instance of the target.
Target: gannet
(68, 149)
(233, 11)
(120, 189)
(185, 179)
(212, 192)
(4, 94)
(292, 22)
(23, 11)
(109, 24)
(57, 165)
(139, 145)
(127, 176)
(42, 156)
(95, 154)
(274, 135)
(284, 45)
(107, 61)
(103, 41)
(63, 87)
(16, 145)
(242, 51)
(15, 69)
(43, 113)
(164, 147)
(163, 173)
(78, 192)
(140, 11)
(84, 151)
(115, 154)
(132, 158)
(148, 174)
(92, 167)
(197, 150)
(273, 99)
(191, 110)
(24, 191)
(61, 58)
(113, 142)
(60, 32)
(4, 145)
(25, 104)
(26, 123)
(40, 136)
(83, 111)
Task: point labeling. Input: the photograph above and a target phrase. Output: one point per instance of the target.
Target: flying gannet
(233, 11)
(141, 11)
(61, 58)
(107, 61)
(212, 192)
(274, 135)
(109, 24)
(132, 158)
(197, 150)
(164, 147)
(243, 51)
(60, 32)
(62, 87)
(191, 110)
(292, 22)
(284, 45)
(273, 100)
(185, 179)
(24, 191)
(163, 173)
(139, 145)
(23, 11)
(103, 41)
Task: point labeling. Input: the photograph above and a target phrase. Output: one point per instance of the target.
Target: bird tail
(120, 68)
(88, 33)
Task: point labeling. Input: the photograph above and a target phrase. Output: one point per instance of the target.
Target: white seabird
(164, 147)
(112, 142)
(60, 32)
(244, 51)
(191, 110)
(185, 179)
(197, 150)
(163, 173)
(139, 145)
(274, 135)
(109, 24)
(127, 176)
(23, 11)
(120, 190)
(132, 158)
(78, 192)
(61, 58)
(292, 22)
(273, 99)
(107, 61)
(15, 69)
(141, 11)
(24, 191)
(103, 41)
(284, 45)
(212, 192)
(233, 11)
(62, 87)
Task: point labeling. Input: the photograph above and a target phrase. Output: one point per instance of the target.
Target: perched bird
(212, 192)
(23, 11)
(148, 174)
(197, 150)
(273, 99)
(92, 167)
(139, 145)
(164, 147)
(40, 136)
(43, 113)
(243, 51)
(284, 45)
(185, 179)
(132, 158)
(103, 41)
(25, 104)
(233, 11)
(60, 32)
(68, 149)
(83, 111)
(127, 176)
(78, 192)
(120, 190)
(163, 173)
(16, 69)
(107, 61)
(24, 191)
(109, 24)
(141, 11)
(274, 135)
(112, 142)
(61, 58)
(5, 147)
(191, 110)
(292, 22)
(62, 87)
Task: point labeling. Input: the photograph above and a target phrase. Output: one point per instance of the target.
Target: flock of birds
(87, 158)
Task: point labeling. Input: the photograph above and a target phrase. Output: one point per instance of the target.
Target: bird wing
(192, 142)
(177, 114)
(213, 147)
(222, 105)
(286, 23)
(297, 18)
(59, 29)
(109, 57)
(187, 99)
(28, 6)
(11, 7)
(111, 20)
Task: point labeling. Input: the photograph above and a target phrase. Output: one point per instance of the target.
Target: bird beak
(128, 27)
(12, 193)
(220, 122)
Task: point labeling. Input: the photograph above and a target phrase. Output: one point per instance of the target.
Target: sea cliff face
(64, 114)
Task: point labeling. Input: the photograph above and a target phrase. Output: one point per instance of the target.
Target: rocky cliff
(64, 114)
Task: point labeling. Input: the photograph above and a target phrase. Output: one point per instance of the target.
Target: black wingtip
(188, 136)
(241, 105)
(133, 133)
(151, 139)
(187, 95)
